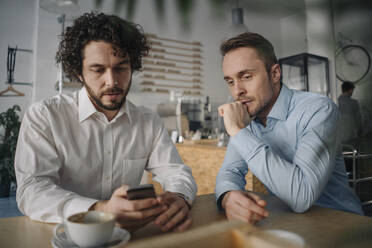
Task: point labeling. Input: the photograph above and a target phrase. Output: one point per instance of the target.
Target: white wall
(17, 24)
(293, 34)
(27, 26)
(210, 31)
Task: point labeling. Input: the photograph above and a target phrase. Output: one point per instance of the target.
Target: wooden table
(320, 227)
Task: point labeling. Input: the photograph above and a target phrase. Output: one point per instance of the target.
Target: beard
(114, 105)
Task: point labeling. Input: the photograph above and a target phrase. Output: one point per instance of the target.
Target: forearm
(42, 200)
(176, 178)
(226, 181)
(231, 176)
(300, 182)
(167, 167)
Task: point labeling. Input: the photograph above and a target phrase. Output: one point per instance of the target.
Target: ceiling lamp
(237, 26)
(60, 6)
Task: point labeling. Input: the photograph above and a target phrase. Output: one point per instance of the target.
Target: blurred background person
(350, 118)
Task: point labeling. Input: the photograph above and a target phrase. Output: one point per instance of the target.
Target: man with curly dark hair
(82, 151)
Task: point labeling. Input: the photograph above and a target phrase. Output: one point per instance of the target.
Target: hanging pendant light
(237, 26)
(63, 8)
(60, 6)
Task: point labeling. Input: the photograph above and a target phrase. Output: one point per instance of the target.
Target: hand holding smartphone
(141, 192)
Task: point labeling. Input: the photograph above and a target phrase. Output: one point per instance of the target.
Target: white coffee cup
(87, 229)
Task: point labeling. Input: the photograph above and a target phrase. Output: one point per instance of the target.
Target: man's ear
(80, 77)
(275, 73)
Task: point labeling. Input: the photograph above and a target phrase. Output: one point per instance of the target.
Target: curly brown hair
(263, 47)
(126, 37)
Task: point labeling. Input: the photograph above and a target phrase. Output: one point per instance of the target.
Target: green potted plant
(10, 123)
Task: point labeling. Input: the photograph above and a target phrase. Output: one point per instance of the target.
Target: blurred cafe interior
(319, 43)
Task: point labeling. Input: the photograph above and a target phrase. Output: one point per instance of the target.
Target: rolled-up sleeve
(166, 165)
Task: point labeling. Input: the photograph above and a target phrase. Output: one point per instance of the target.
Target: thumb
(121, 191)
(220, 110)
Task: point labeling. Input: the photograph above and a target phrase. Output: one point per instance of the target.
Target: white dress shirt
(69, 156)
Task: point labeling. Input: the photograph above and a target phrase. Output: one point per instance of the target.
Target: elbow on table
(300, 209)
(303, 206)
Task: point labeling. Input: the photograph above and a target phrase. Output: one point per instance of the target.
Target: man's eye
(246, 76)
(120, 69)
(98, 70)
(230, 82)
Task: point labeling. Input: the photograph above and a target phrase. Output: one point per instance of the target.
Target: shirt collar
(87, 109)
(281, 106)
(126, 109)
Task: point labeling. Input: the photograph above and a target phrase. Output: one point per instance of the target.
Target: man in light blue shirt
(287, 138)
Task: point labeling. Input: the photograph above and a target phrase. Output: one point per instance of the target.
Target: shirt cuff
(187, 199)
(219, 201)
(222, 189)
(77, 205)
(188, 196)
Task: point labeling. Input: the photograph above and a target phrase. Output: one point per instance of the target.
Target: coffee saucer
(119, 236)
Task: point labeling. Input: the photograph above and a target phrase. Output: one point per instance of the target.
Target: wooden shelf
(193, 55)
(171, 71)
(162, 57)
(168, 62)
(152, 84)
(171, 65)
(157, 91)
(192, 43)
(160, 44)
(161, 77)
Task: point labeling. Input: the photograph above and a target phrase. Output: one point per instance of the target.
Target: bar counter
(320, 227)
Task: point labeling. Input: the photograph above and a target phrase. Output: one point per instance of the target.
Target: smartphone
(141, 192)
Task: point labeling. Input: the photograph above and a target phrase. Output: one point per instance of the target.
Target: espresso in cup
(92, 228)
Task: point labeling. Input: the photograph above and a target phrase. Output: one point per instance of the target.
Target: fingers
(132, 225)
(244, 206)
(257, 199)
(175, 216)
(185, 224)
(121, 191)
(143, 214)
(142, 208)
(251, 204)
(235, 117)
(220, 110)
(241, 214)
(135, 205)
(134, 214)
(132, 220)
(166, 198)
(167, 219)
(120, 204)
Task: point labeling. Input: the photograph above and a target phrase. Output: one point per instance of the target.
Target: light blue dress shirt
(295, 156)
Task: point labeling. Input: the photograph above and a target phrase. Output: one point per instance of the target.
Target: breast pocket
(133, 171)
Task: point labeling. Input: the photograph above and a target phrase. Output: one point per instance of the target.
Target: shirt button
(108, 152)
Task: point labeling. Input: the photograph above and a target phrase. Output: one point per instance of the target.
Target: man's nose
(239, 90)
(110, 79)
